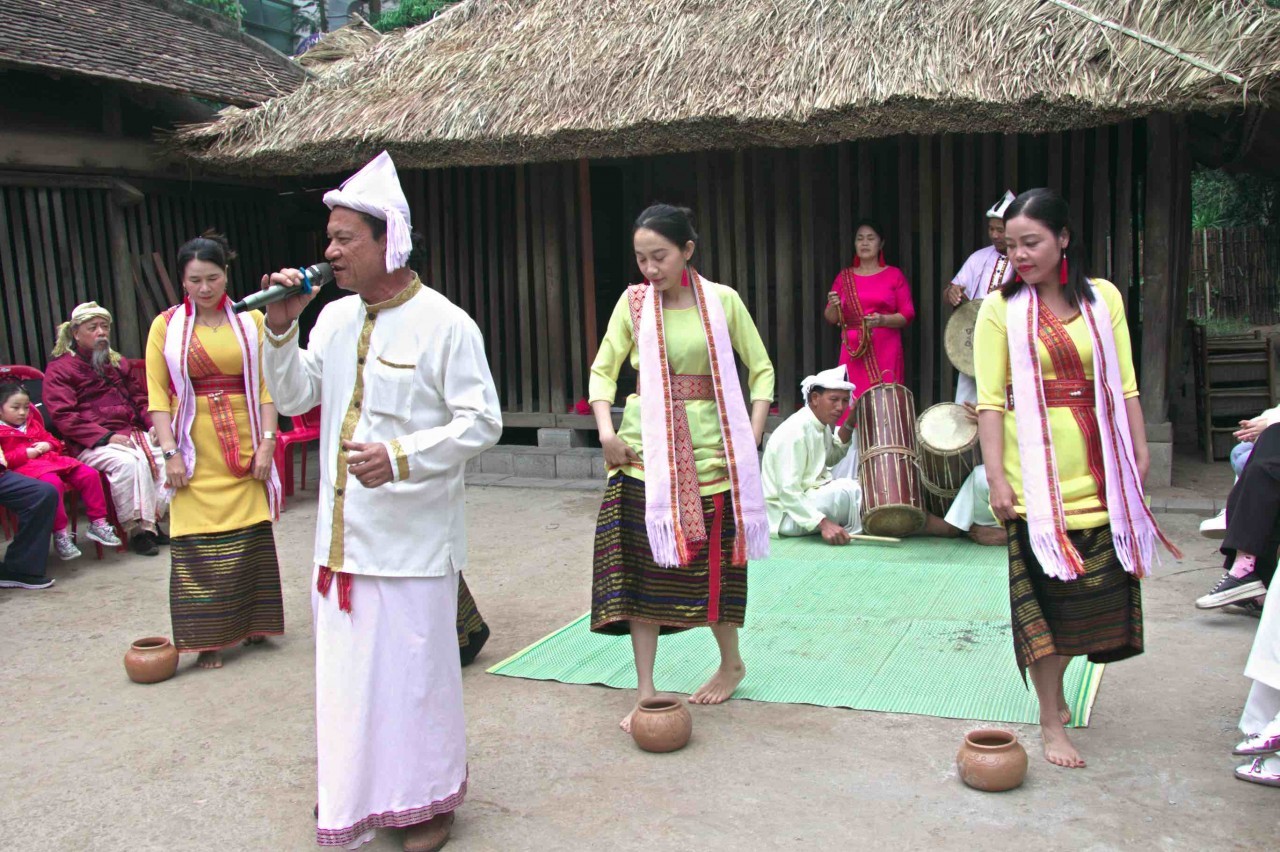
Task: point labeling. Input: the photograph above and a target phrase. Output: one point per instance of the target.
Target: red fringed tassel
(323, 580)
(882, 263)
(1062, 272)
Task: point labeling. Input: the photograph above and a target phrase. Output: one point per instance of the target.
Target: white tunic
(984, 271)
(409, 373)
(797, 462)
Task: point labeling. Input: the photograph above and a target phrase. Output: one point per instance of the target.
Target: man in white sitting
(971, 511)
(800, 494)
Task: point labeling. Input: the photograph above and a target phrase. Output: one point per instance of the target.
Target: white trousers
(137, 495)
(973, 503)
(391, 734)
(840, 500)
(1263, 706)
(966, 389)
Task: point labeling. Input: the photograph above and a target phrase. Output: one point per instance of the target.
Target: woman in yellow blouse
(202, 371)
(684, 507)
(1064, 444)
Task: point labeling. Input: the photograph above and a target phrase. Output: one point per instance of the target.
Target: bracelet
(168, 454)
(268, 436)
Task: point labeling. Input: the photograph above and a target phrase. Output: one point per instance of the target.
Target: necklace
(221, 322)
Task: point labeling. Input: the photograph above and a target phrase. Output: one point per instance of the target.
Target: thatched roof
(501, 81)
(340, 45)
(162, 45)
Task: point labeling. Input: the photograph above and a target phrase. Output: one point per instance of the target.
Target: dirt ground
(224, 760)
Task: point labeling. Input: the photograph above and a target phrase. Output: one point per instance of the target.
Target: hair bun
(212, 235)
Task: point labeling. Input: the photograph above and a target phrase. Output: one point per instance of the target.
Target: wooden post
(124, 312)
(809, 285)
(587, 235)
(1100, 227)
(1157, 284)
(784, 185)
(926, 286)
(1180, 253)
(905, 253)
(1122, 247)
(950, 263)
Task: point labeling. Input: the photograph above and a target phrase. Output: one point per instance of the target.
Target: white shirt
(409, 373)
(979, 273)
(796, 461)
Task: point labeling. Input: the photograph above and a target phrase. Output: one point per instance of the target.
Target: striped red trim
(392, 819)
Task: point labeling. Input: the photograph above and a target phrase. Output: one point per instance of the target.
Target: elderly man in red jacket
(101, 413)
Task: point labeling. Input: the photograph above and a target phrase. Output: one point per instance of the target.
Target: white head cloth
(997, 209)
(375, 190)
(837, 378)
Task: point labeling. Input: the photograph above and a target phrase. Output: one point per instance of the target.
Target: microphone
(315, 276)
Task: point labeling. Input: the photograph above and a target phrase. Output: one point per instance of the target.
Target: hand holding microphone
(285, 293)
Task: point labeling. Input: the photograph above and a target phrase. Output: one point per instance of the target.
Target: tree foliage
(229, 8)
(1223, 200)
(411, 13)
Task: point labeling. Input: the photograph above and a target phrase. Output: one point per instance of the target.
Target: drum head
(946, 428)
(958, 339)
(896, 521)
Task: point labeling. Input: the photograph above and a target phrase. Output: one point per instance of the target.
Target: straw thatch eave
(503, 81)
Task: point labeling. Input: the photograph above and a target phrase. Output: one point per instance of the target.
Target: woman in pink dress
(873, 297)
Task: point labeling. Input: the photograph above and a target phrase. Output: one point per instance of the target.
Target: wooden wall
(57, 250)
(539, 254)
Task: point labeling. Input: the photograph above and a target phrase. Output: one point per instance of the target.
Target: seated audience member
(34, 503)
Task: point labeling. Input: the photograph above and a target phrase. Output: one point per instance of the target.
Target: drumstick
(861, 537)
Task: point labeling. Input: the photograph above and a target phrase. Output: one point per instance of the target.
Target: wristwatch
(168, 454)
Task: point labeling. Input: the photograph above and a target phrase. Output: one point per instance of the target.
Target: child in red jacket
(29, 449)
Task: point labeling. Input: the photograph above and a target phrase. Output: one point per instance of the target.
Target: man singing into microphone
(407, 398)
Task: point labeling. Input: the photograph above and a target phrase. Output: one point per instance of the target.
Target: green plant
(411, 13)
(1223, 200)
(228, 8)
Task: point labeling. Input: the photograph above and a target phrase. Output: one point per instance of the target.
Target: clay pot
(151, 660)
(661, 724)
(992, 760)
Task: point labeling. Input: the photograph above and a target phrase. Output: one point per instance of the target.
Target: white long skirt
(1263, 706)
(390, 729)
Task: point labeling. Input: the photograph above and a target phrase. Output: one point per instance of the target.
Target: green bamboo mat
(918, 627)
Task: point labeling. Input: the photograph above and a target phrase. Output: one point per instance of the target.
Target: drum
(887, 461)
(958, 338)
(948, 442)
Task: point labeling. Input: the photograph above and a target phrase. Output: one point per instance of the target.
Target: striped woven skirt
(627, 585)
(1098, 614)
(472, 631)
(224, 588)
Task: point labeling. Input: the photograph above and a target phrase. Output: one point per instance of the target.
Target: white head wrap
(375, 190)
(83, 312)
(834, 379)
(997, 209)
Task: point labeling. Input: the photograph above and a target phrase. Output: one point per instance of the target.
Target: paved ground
(225, 760)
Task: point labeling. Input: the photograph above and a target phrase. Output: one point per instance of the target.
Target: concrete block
(1161, 433)
(561, 438)
(486, 478)
(594, 486)
(1161, 473)
(599, 470)
(1189, 506)
(535, 465)
(473, 464)
(572, 465)
(497, 460)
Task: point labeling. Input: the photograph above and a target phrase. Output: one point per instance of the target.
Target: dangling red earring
(857, 261)
(1062, 277)
(882, 257)
(188, 306)
(684, 277)
(222, 303)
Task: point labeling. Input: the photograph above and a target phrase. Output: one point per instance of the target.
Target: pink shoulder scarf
(662, 487)
(177, 347)
(1134, 530)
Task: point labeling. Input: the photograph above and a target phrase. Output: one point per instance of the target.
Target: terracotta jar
(661, 724)
(151, 660)
(992, 760)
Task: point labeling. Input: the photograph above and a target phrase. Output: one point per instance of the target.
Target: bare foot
(721, 686)
(625, 724)
(1064, 709)
(255, 640)
(989, 536)
(209, 660)
(1058, 749)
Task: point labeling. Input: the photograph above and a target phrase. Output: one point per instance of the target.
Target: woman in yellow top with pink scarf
(1064, 444)
(684, 507)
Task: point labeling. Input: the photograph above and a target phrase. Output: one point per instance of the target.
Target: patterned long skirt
(1098, 614)
(627, 585)
(472, 631)
(224, 588)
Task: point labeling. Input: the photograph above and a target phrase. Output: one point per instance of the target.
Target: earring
(222, 303)
(1062, 277)
(882, 257)
(857, 261)
(684, 277)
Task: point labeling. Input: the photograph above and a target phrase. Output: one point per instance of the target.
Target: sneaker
(1230, 590)
(14, 583)
(144, 543)
(1263, 770)
(1251, 607)
(66, 546)
(1215, 527)
(101, 532)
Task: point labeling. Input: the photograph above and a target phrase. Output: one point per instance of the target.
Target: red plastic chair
(306, 428)
(23, 374)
